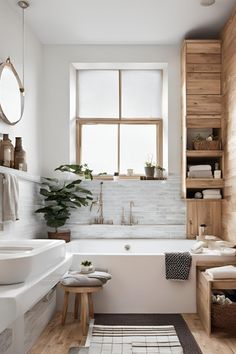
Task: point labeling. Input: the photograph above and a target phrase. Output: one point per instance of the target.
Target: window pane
(142, 93)
(138, 142)
(98, 94)
(99, 147)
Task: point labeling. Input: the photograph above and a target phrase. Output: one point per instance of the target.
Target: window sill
(128, 178)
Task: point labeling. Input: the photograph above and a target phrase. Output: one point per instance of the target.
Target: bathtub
(138, 282)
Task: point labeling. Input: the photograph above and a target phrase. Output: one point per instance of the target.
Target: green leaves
(60, 197)
(81, 170)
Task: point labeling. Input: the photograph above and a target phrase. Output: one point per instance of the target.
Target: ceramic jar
(6, 152)
(19, 156)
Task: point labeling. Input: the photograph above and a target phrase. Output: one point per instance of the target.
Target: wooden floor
(57, 339)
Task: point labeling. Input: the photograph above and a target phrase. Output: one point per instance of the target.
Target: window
(119, 119)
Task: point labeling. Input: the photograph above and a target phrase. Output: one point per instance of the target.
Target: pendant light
(23, 4)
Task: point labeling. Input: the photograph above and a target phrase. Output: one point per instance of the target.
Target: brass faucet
(131, 218)
(99, 202)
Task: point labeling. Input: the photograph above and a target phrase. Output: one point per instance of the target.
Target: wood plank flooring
(57, 339)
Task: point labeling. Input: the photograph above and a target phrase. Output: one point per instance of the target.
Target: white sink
(25, 259)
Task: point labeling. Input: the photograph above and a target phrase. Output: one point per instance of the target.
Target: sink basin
(15, 250)
(21, 260)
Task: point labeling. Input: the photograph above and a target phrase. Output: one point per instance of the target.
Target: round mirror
(11, 94)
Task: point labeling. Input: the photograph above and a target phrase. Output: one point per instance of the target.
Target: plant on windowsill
(61, 197)
(159, 171)
(149, 168)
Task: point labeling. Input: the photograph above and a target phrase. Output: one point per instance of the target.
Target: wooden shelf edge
(203, 123)
(204, 183)
(204, 153)
(204, 200)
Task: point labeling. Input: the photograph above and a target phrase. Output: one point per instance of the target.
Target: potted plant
(61, 197)
(149, 168)
(159, 171)
(86, 266)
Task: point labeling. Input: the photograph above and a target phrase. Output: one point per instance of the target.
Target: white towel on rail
(10, 206)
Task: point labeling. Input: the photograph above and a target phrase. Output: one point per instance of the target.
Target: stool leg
(65, 307)
(90, 301)
(76, 308)
(84, 309)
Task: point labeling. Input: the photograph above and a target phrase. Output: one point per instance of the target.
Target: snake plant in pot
(61, 197)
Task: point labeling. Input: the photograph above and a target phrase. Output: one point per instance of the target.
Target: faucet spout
(131, 218)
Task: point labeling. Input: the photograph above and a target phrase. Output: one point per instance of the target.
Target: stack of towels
(200, 171)
(225, 272)
(211, 194)
(98, 277)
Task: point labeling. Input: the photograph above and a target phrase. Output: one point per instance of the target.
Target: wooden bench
(83, 295)
(205, 287)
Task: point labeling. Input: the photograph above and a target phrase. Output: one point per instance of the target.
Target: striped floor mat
(132, 340)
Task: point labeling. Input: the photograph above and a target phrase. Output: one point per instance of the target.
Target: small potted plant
(86, 266)
(60, 198)
(149, 168)
(159, 171)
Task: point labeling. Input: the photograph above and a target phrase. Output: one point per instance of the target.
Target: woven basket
(206, 145)
(224, 316)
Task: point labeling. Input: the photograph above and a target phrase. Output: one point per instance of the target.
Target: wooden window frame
(80, 122)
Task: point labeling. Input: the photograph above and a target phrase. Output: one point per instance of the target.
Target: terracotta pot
(149, 171)
(59, 235)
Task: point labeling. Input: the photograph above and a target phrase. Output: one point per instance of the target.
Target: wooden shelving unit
(201, 112)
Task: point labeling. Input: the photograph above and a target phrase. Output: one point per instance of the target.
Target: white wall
(11, 45)
(29, 225)
(57, 113)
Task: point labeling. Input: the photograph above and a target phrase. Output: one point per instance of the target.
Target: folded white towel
(200, 174)
(228, 252)
(200, 168)
(225, 272)
(198, 247)
(208, 196)
(10, 198)
(211, 191)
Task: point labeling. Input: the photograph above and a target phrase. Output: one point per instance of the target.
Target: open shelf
(204, 183)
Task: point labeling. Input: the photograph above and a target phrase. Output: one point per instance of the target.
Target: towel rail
(25, 176)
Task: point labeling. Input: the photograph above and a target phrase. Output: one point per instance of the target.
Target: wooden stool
(85, 295)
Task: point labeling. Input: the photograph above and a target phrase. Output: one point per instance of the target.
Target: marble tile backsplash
(158, 211)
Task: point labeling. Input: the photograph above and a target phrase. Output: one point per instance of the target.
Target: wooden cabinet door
(203, 212)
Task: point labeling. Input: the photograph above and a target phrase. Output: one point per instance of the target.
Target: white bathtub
(138, 282)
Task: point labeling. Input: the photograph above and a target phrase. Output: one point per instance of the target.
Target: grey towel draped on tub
(178, 265)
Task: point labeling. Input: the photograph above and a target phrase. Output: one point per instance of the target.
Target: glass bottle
(20, 156)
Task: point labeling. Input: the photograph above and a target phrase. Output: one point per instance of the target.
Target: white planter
(86, 269)
(158, 173)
